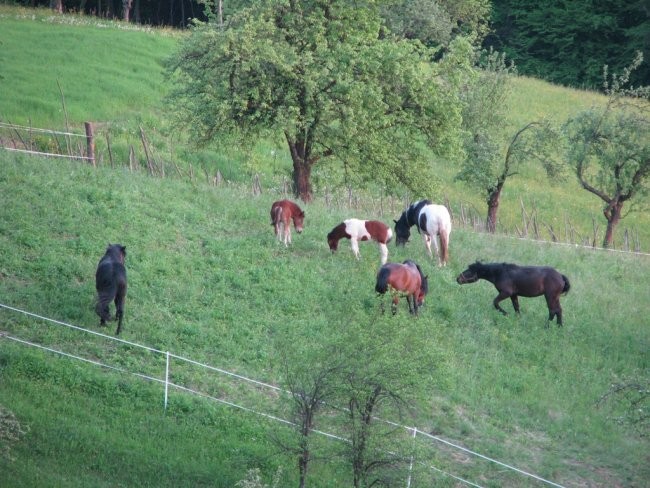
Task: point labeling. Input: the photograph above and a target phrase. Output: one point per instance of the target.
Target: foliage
(629, 401)
(322, 77)
(609, 147)
(436, 22)
(568, 42)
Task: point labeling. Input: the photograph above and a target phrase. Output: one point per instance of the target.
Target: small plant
(10, 432)
(254, 480)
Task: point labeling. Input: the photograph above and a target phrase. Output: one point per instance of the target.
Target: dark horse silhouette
(110, 282)
(527, 281)
(407, 278)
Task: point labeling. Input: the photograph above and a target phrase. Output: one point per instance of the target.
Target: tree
(485, 167)
(609, 148)
(321, 75)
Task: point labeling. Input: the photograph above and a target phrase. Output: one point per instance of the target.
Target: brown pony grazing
(110, 282)
(361, 230)
(282, 212)
(407, 278)
(526, 281)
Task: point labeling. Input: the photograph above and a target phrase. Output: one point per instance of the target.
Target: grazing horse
(361, 230)
(282, 212)
(432, 221)
(407, 278)
(527, 281)
(110, 282)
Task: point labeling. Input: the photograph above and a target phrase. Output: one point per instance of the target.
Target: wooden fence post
(90, 142)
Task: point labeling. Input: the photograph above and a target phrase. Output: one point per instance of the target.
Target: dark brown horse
(514, 281)
(282, 212)
(407, 278)
(110, 282)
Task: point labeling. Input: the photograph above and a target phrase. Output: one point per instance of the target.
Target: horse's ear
(123, 249)
(394, 220)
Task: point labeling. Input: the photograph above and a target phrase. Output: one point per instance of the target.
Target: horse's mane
(337, 232)
(423, 279)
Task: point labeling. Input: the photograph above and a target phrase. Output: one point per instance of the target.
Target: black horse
(526, 281)
(110, 282)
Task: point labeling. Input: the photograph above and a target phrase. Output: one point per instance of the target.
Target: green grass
(208, 281)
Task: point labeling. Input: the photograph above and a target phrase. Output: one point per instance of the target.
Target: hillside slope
(208, 281)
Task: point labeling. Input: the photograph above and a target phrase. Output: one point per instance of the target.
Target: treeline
(562, 41)
(569, 41)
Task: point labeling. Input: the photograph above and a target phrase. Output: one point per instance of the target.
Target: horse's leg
(554, 310)
(383, 250)
(427, 243)
(355, 246)
(515, 302)
(434, 241)
(501, 296)
(393, 307)
(119, 307)
(287, 234)
(102, 308)
(408, 300)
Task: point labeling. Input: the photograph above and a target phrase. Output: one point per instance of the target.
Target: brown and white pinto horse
(361, 230)
(282, 212)
(407, 278)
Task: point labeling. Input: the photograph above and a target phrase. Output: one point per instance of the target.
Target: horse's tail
(444, 246)
(382, 280)
(276, 215)
(567, 285)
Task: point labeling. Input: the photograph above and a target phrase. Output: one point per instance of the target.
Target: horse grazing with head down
(110, 282)
(432, 221)
(282, 212)
(513, 281)
(407, 278)
(361, 230)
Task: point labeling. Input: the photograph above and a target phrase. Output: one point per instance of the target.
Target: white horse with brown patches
(361, 230)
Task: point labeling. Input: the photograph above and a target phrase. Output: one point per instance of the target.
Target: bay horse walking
(110, 282)
(361, 230)
(432, 221)
(282, 212)
(514, 281)
(407, 278)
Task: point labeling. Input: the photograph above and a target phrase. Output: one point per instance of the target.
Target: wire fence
(174, 372)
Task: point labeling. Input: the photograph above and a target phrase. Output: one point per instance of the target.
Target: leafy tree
(485, 167)
(385, 371)
(321, 75)
(609, 147)
(436, 22)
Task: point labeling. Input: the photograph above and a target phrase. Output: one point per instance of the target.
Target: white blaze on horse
(282, 212)
(361, 230)
(432, 221)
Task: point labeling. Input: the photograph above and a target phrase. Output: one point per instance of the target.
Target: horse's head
(470, 275)
(332, 242)
(117, 252)
(424, 289)
(298, 221)
(402, 230)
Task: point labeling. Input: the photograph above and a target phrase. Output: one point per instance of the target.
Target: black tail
(567, 285)
(382, 280)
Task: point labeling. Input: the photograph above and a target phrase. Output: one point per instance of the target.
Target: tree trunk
(493, 210)
(57, 5)
(126, 8)
(613, 215)
(301, 169)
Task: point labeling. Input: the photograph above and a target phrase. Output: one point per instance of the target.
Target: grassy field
(208, 281)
